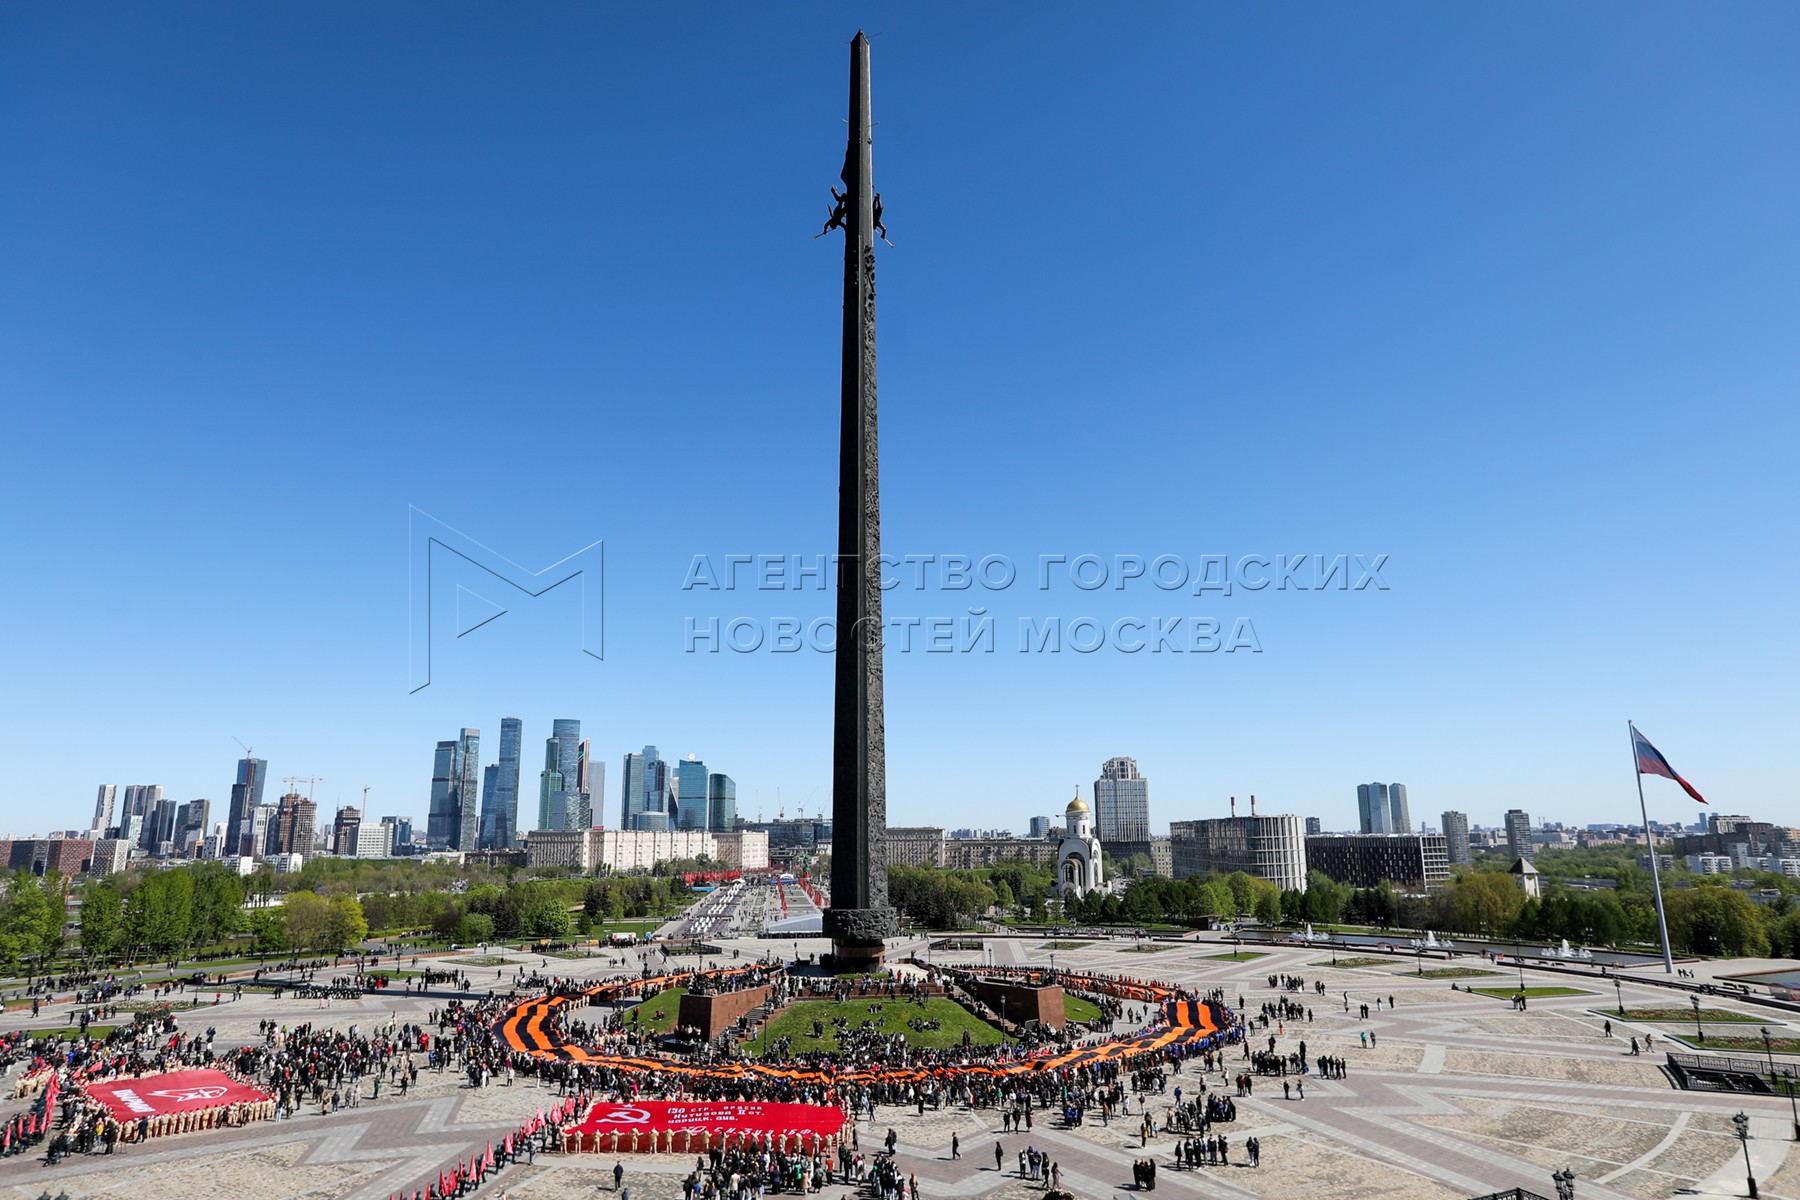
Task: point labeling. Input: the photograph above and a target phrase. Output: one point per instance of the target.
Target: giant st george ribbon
(531, 1027)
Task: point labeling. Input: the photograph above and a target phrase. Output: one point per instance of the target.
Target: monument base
(859, 937)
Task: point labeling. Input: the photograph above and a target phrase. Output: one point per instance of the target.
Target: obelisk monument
(859, 917)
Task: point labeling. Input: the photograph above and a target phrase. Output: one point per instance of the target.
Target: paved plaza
(1458, 1095)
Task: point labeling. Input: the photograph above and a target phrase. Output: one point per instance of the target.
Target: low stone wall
(713, 1015)
(1022, 1002)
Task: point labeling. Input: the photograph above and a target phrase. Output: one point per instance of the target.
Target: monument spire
(859, 918)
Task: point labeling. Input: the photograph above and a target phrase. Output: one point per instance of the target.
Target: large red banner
(175, 1092)
(749, 1116)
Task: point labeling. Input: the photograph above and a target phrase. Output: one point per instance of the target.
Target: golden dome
(1077, 805)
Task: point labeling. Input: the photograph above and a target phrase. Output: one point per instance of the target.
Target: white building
(1709, 864)
(1079, 869)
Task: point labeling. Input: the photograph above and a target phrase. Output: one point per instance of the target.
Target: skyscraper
(443, 823)
(1456, 838)
(506, 786)
(468, 789)
(490, 786)
(559, 784)
(1381, 808)
(1122, 808)
(1518, 833)
(582, 806)
(690, 794)
(644, 790)
(159, 826)
(103, 807)
(721, 803)
(1313, 826)
(246, 794)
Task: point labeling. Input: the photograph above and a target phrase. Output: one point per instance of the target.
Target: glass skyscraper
(1381, 808)
(1122, 808)
(721, 803)
(644, 790)
(690, 794)
(246, 794)
(468, 791)
(443, 822)
(559, 800)
(500, 790)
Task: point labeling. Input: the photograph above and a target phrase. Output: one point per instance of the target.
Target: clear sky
(1508, 294)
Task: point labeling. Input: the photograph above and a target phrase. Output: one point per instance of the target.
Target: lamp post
(1769, 1049)
(1421, 962)
(1565, 1183)
(1742, 1123)
(1792, 1107)
(1619, 991)
(1699, 1032)
(1053, 966)
(1332, 937)
(1519, 961)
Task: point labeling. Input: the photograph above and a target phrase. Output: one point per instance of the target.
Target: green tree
(306, 918)
(102, 920)
(344, 923)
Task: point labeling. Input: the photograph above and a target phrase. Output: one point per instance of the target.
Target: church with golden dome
(1078, 866)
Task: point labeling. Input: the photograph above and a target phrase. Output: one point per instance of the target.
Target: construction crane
(311, 781)
(365, 807)
(248, 752)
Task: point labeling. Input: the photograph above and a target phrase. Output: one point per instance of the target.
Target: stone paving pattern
(1460, 1096)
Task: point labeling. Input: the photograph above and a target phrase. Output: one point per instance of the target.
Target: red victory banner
(746, 1117)
(171, 1094)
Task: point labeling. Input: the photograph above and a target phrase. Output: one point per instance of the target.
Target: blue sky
(1508, 296)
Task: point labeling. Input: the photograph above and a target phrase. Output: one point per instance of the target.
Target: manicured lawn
(1077, 1009)
(667, 1002)
(1356, 962)
(890, 1016)
(98, 1031)
(1145, 948)
(1737, 1041)
(479, 960)
(1675, 1015)
(1064, 945)
(1531, 993)
(1451, 972)
(1239, 956)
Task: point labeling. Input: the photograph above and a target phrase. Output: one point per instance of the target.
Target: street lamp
(1421, 962)
(1792, 1107)
(1699, 1032)
(1742, 1123)
(1619, 990)
(1565, 1183)
(1769, 1049)
(1053, 966)
(1333, 938)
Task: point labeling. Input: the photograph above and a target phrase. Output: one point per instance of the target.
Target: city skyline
(1388, 253)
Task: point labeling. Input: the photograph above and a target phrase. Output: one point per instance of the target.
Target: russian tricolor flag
(1651, 762)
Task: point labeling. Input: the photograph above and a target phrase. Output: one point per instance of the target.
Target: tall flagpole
(1662, 922)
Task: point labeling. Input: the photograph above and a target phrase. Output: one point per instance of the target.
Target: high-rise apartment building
(690, 793)
(295, 825)
(721, 803)
(159, 826)
(1456, 838)
(103, 807)
(1381, 808)
(1122, 808)
(246, 794)
(1518, 833)
(443, 823)
(191, 822)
